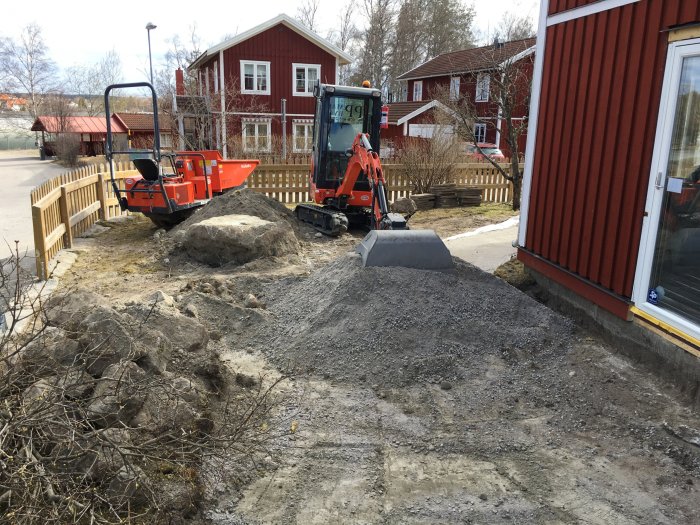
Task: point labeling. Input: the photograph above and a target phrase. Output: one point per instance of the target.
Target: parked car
(487, 150)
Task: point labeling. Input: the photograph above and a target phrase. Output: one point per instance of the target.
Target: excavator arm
(364, 160)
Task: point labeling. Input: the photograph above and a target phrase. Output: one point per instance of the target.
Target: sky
(80, 35)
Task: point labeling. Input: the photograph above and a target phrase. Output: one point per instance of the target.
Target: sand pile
(397, 326)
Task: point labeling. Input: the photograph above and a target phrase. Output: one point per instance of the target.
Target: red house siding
(282, 47)
(467, 87)
(601, 88)
(557, 6)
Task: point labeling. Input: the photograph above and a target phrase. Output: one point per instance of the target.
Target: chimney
(179, 82)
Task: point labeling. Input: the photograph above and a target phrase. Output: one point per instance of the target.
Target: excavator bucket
(421, 249)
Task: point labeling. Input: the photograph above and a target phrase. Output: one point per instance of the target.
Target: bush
(68, 148)
(428, 161)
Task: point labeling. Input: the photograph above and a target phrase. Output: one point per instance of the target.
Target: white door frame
(677, 51)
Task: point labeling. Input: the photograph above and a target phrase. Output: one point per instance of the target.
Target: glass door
(668, 285)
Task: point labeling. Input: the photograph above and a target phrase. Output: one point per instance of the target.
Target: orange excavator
(347, 183)
(171, 186)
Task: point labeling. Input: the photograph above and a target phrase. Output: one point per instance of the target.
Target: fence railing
(289, 183)
(66, 206)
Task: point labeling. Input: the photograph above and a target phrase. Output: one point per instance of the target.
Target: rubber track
(328, 221)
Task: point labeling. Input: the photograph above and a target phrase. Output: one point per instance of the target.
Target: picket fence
(66, 206)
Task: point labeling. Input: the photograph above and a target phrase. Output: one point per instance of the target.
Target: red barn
(468, 73)
(611, 197)
(246, 78)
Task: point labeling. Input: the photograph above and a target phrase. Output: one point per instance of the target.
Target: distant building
(243, 81)
(91, 132)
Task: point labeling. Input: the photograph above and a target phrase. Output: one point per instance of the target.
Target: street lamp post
(150, 26)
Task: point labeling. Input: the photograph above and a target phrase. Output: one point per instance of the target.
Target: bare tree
(89, 82)
(376, 39)
(25, 66)
(306, 14)
(449, 27)
(66, 143)
(346, 37)
(514, 27)
(509, 95)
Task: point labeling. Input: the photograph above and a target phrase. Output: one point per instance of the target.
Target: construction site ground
(417, 397)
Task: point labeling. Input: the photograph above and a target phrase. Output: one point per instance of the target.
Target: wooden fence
(66, 206)
(289, 183)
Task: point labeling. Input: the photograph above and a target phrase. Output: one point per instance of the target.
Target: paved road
(20, 171)
(487, 247)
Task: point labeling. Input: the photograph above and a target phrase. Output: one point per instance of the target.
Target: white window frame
(166, 139)
(481, 127)
(308, 134)
(483, 87)
(417, 90)
(454, 88)
(255, 64)
(216, 77)
(309, 89)
(257, 121)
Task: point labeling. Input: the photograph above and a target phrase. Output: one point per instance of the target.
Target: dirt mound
(397, 326)
(243, 202)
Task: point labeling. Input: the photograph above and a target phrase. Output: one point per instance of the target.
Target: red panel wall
(282, 47)
(557, 6)
(599, 103)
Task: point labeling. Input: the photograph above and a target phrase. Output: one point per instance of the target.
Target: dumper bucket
(421, 249)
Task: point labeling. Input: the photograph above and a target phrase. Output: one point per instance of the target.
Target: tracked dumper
(169, 187)
(347, 183)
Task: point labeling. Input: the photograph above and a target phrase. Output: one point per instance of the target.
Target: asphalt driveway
(20, 172)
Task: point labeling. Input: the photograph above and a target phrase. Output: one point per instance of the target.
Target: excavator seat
(148, 168)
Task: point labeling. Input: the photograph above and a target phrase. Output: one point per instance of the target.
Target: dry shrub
(428, 161)
(87, 437)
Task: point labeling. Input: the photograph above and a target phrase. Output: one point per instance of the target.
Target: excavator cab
(341, 113)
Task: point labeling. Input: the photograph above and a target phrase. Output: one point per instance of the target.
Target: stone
(105, 340)
(160, 297)
(119, 394)
(128, 484)
(404, 206)
(49, 350)
(253, 302)
(237, 239)
(68, 310)
(183, 332)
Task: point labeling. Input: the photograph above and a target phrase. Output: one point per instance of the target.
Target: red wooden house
(89, 132)
(611, 201)
(467, 73)
(246, 79)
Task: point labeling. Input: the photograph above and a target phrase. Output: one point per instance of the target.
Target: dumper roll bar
(157, 155)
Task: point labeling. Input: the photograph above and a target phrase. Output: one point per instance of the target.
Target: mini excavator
(347, 183)
(169, 187)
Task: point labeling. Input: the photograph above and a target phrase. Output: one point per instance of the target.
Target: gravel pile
(398, 326)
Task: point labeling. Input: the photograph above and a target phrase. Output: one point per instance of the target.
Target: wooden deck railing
(66, 206)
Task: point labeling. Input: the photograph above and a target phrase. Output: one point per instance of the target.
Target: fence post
(65, 217)
(40, 242)
(102, 196)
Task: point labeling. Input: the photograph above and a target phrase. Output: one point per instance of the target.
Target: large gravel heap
(397, 326)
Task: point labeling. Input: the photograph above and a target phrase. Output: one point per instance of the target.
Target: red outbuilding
(611, 196)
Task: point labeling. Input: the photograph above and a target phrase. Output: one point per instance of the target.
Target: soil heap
(398, 326)
(238, 227)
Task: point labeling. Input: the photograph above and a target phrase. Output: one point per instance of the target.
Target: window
(255, 78)
(303, 135)
(417, 91)
(483, 82)
(305, 78)
(166, 140)
(454, 88)
(480, 132)
(256, 135)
